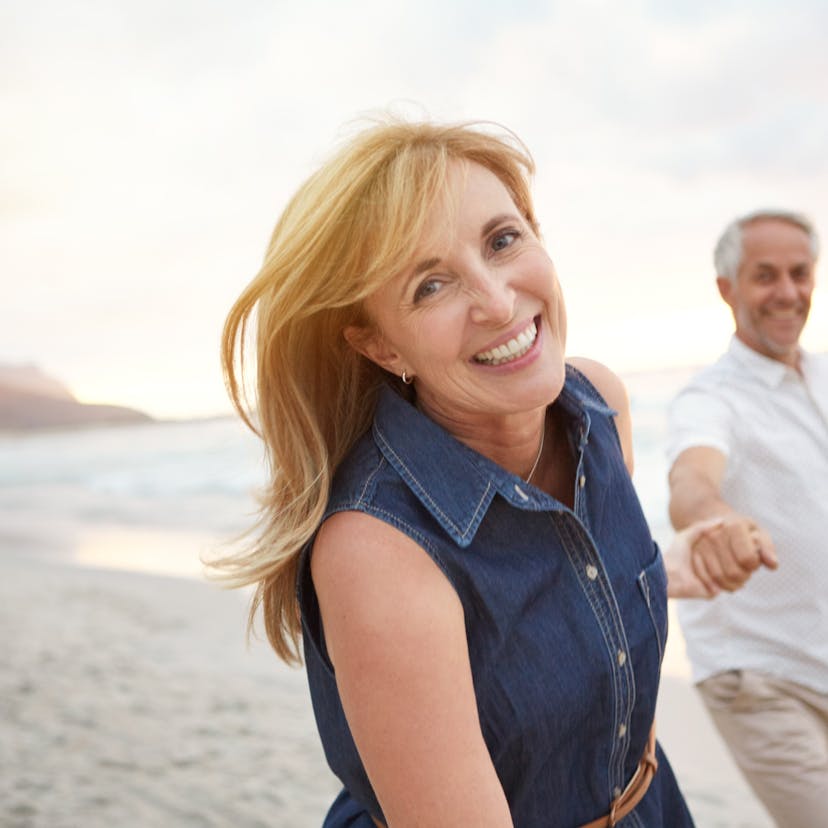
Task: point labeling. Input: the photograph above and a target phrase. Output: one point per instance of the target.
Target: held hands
(717, 554)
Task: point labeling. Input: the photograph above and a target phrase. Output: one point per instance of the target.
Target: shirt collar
(452, 481)
(770, 371)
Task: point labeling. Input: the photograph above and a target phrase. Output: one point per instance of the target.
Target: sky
(148, 147)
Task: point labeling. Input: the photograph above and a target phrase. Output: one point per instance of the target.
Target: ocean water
(156, 497)
(152, 497)
(650, 395)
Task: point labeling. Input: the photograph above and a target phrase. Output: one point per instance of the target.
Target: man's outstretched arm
(734, 546)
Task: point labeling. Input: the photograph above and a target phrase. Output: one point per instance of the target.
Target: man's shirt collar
(770, 371)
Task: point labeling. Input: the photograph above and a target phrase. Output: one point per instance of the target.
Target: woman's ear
(368, 341)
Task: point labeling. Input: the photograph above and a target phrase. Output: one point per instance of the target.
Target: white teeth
(514, 348)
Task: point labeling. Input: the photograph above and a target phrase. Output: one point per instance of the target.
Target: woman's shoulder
(610, 386)
(605, 381)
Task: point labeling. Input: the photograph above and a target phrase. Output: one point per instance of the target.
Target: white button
(582, 481)
(521, 492)
(616, 791)
(592, 572)
(622, 658)
(622, 731)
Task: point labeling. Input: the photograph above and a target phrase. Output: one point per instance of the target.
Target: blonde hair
(352, 225)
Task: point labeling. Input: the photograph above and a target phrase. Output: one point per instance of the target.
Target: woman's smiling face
(477, 317)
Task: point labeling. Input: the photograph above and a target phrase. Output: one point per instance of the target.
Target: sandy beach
(130, 699)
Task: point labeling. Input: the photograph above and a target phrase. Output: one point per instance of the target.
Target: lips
(797, 313)
(785, 317)
(515, 348)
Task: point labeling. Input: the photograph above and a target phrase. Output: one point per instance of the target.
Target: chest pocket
(652, 582)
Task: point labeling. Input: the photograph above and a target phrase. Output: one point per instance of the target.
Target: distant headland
(31, 399)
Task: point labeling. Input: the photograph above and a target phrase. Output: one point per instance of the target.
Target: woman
(450, 512)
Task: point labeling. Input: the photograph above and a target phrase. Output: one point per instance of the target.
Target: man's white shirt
(771, 423)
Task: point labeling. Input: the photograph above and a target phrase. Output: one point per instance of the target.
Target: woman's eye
(504, 239)
(426, 288)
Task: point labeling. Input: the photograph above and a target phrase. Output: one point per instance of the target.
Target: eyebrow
(797, 265)
(499, 219)
(423, 266)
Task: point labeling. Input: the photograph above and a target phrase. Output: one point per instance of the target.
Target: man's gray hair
(727, 256)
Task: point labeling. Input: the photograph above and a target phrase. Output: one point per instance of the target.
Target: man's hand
(716, 554)
(728, 551)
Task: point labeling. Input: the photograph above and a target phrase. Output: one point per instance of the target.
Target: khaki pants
(777, 732)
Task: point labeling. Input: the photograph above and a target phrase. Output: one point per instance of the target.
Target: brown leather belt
(629, 797)
(635, 790)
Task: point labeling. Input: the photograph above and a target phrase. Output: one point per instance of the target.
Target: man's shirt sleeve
(698, 416)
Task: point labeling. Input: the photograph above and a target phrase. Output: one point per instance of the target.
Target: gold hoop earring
(406, 379)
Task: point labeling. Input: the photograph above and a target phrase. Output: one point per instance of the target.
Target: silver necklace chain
(528, 478)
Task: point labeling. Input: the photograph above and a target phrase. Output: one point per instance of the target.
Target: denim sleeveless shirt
(565, 611)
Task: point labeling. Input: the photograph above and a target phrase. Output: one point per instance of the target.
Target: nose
(786, 289)
(493, 297)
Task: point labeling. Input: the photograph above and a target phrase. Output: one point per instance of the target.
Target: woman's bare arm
(396, 635)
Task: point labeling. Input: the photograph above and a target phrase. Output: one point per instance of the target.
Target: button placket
(598, 591)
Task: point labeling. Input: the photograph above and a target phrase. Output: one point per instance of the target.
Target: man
(748, 443)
